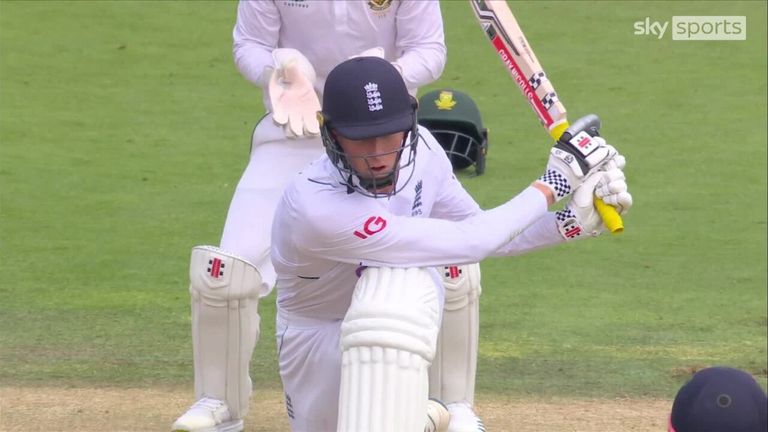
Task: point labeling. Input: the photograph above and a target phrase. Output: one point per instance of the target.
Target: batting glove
(613, 187)
(292, 94)
(571, 161)
(579, 218)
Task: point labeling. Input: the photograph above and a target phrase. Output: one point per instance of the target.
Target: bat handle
(557, 129)
(608, 214)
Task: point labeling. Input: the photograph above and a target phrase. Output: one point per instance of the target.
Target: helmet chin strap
(371, 184)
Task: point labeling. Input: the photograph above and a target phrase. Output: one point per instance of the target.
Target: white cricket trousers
(309, 356)
(273, 163)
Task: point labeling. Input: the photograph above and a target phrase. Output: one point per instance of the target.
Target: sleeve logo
(373, 225)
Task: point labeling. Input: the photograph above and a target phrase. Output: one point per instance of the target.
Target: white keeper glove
(570, 162)
(292, 94)
(579, 218)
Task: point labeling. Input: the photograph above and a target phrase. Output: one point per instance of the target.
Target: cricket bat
(508, 39)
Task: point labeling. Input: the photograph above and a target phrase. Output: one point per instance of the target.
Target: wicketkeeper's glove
(579, 218)
(292, 94)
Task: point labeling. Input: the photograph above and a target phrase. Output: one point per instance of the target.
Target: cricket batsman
(357, 237)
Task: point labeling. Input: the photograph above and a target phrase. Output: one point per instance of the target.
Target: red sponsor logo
(584, 143)
(453, 272)
(522, 83)
(573, 232)
(373, 225)
(216, 268)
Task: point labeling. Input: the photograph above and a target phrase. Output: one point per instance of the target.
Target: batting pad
(225, 325)
(452, 374)
(388, 340)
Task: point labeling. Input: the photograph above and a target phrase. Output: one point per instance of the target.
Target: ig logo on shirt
(373, 225)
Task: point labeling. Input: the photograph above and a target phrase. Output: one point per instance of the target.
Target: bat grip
(556, 130)
(610, 216)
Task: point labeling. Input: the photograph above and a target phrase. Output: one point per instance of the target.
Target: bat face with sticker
(504, 33)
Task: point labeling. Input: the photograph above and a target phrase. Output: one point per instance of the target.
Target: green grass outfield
(124, 127)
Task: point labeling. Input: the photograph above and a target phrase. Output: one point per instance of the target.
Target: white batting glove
(292, 94)
(579, 218)
(612, 189)
(570, 162)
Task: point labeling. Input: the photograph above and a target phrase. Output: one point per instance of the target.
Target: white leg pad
(452, 375)
(388, 340)
(225, 325)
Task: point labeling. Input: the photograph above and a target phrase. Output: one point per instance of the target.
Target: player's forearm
(421, 40)
(251, 59)
(519, 213)
(422, 66)
(477, 237)
(541, 234)
(254, 37)
(546, 191)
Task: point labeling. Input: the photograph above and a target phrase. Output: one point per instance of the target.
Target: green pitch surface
(124, 127)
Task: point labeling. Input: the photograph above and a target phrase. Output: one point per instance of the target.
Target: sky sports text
(696, 28)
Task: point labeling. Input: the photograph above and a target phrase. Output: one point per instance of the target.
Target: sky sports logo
(696, 28)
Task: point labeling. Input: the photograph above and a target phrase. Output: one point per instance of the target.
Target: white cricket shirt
(322, 235)
(329, 32)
